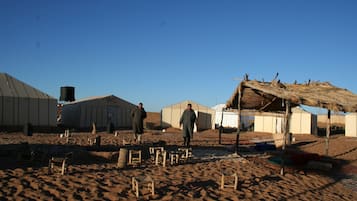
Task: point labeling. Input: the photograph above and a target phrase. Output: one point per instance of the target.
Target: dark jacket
(188, 119)
(138, 115)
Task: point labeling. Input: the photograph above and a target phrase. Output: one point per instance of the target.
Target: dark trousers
(186, 141)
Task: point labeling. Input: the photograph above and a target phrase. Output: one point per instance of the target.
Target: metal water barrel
(67, 94)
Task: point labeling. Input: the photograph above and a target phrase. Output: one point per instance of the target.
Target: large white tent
(21, 104)
(170, 115)
(101, 110)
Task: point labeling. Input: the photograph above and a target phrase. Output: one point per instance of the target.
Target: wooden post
(94, 129)
(238, 126)
(220, 129)
(328, 130)
(286, 132)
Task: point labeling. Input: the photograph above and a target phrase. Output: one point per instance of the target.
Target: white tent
(21, 103)
(230, 117)
(351, 125)
(301, 122)
(100, 110)
(170, 115)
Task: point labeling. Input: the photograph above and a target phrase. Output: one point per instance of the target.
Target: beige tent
(351, 125)
(301, 122)
(268, 122)
(102, 110)
(170, 115)
(21, 103)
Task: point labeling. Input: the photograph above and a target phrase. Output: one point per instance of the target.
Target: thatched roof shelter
(269, 96)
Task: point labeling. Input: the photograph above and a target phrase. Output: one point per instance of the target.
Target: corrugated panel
(34, 111)
(24, 111)
(1, 111)
(52, 112)
(8, 115)
(16, 111)
(43, 112)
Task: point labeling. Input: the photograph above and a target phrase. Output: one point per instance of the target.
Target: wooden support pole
(286, 132)
(328, 130)
(239, 112)
(221, 129)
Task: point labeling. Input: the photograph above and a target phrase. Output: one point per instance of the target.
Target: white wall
(351, 125)
(300, 123)
(269, 124)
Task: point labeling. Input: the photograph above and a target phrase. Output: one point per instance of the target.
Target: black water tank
(67, 94)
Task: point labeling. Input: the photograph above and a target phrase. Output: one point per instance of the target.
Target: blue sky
(164, 52)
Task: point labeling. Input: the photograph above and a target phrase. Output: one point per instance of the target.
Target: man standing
(188, 119)
(138, 115)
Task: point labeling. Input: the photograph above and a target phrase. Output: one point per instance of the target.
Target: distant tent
(21, 104)
(301, 122)
(230, 117)
(101, 110)
(170, 115)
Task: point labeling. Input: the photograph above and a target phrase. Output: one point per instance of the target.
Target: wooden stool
(70, 140)
(186, 153)
(175, 157)
(153, 150)
(160, 157)
(134, 157)
(126, 142)
(94, 141)
(60, 162)
(229, 175)
(148, 180)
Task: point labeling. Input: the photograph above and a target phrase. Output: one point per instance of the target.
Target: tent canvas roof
(111, 98)
(12, 87)
(269, 96)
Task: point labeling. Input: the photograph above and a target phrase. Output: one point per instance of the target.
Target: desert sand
(93, 173)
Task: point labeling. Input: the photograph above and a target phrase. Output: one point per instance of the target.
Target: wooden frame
(135, 181)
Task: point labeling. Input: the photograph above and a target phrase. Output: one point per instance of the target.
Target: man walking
(187, 119)
(138, 115)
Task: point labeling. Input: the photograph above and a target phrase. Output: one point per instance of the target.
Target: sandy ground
(94, 175)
